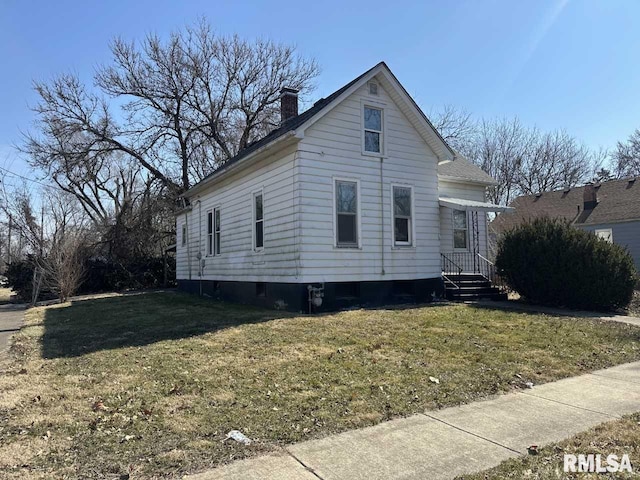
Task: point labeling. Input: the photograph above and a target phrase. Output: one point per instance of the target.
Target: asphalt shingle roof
(465, 170)
(618, 201)
(285, 127)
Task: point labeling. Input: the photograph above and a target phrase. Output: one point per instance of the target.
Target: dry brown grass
(617, 438)
(150, 385)
(5, 295)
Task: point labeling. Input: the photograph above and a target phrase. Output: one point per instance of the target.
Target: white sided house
(356, 201)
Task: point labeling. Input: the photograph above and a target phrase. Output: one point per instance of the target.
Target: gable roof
(618, 201)
(301, 122)
(462, 169)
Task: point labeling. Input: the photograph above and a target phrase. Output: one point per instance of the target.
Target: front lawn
(618, 437)
(149, 385)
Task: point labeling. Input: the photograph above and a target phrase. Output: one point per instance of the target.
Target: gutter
(449, 178)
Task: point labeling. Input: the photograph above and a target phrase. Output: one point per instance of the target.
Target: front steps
(472, 286)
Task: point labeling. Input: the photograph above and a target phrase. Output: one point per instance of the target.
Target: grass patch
(151, 384)
(617, 437)
(5, 295)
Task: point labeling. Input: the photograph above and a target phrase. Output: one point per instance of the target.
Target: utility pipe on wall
(382, 272)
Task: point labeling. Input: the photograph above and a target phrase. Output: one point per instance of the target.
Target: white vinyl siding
(333, 148)
(233, 195)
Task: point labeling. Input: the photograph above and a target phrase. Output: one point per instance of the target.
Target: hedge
(550, 262)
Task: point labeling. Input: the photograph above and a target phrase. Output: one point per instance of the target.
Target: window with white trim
(460, 229)
(216, 231)
(213, 232)
(210, 233)
(372, 130)
(258, 222)
(184, 234)
(402, 221)
(346, 208)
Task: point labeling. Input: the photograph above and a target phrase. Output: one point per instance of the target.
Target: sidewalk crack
(306, 467)
(473, 434)
(570, 405)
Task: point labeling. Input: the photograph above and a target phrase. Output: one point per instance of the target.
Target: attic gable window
(372, 130)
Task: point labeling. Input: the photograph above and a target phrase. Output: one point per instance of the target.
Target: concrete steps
(472, 287)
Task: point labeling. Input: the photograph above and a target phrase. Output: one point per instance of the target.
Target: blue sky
(555, 64)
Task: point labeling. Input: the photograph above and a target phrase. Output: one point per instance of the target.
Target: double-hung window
(346, 209)
(460, 229)
(213, 232)
(210, 232)
(402, 215)
(373, 130)
(216, 231)
(258, 222)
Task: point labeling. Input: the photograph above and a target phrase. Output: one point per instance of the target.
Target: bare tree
(186, 105)
(456, 125)
(626, 157)
(63, 268)
(553, 160)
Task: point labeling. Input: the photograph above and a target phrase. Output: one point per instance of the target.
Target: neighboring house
(610, 209)
(353, 201)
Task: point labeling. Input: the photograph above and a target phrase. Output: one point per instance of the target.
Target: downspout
(382, 272)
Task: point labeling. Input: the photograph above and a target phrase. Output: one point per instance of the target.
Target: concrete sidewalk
(11, 317)
(445, 443)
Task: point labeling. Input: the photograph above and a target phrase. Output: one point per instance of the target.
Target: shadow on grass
(531, 308)
(92, 325)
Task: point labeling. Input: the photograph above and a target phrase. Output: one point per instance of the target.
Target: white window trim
(209, 253)
(372, 103)
(335, 213)
(216, 243)
(254, 194)
(453, 229)
(412, 224)
(599, 231)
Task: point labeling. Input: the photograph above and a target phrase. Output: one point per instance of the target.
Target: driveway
(11, 317)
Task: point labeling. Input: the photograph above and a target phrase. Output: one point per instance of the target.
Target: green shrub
(550, 262)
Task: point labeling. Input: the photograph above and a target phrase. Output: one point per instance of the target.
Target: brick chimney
(590, 196)
(288, 104)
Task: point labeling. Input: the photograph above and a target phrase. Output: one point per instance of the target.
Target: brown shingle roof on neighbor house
(618, 201)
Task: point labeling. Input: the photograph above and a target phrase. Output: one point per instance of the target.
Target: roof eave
(223, 172)
(451, 178)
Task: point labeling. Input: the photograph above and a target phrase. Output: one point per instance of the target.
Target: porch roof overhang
(472, 205)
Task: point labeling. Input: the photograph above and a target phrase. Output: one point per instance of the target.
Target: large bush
(549, 262)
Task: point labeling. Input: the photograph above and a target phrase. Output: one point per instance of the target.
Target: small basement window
(261, 289)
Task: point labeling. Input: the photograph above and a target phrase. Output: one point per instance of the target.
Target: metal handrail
(474, 262)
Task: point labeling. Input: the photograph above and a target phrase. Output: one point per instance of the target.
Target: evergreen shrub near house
(549, 262)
